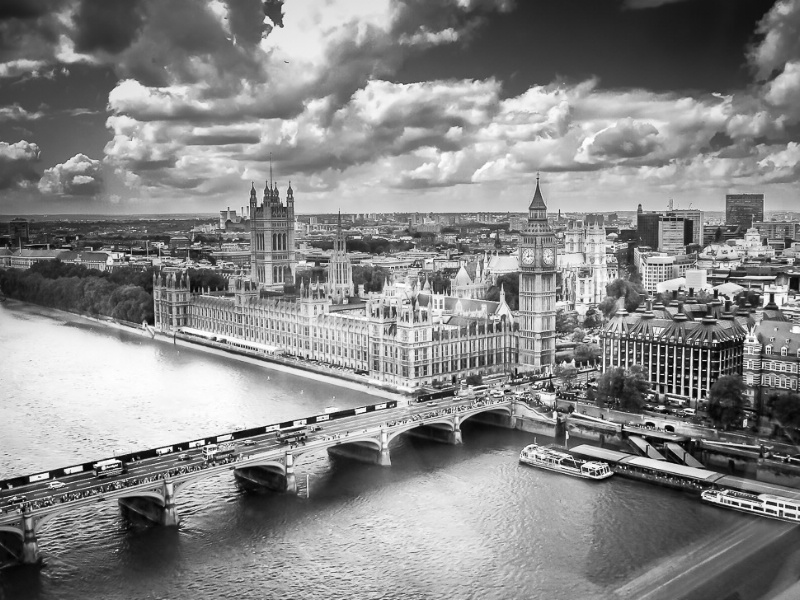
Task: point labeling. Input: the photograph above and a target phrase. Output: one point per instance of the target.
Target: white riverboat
(561, 462)
(764, 505)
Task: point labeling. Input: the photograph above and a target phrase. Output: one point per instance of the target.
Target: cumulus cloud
(207, 91)
(79, 176)
(625, 139)
(17, 164)
(15, 112)
(780, 29)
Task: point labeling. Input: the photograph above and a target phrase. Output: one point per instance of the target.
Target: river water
(451, 522)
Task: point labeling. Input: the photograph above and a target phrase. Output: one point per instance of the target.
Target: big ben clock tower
(537, 288)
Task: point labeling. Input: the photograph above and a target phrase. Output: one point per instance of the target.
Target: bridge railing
(85, 467)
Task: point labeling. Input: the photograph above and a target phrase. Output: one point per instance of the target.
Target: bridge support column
(30, 547)
(384, 459)
(455, 435)
(291, 481)
(169, 515)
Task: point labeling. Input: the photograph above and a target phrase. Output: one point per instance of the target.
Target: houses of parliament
(406, 335)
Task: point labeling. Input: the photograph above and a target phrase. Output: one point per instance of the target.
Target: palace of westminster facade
(406, 335)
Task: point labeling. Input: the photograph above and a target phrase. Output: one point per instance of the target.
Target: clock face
(527, 256)
(547, 256)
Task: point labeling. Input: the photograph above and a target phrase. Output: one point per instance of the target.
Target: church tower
(537, 288)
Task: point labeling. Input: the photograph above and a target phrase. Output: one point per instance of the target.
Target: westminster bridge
(153, 477)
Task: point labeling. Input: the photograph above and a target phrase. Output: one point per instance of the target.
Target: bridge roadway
(149, 486)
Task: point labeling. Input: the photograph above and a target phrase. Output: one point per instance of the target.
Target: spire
(538, 201)
(252, 189)
(270, 170)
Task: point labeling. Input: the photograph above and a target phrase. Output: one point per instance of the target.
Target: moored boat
(562, 462)
(763, 505)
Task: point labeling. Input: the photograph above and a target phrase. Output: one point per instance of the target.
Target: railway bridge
(262, 459)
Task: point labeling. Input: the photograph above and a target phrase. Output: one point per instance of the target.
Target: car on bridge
(249, 442)
(55, 485)
(184, 456)
(16, 500)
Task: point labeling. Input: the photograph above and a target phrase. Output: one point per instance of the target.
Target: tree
(726, 401)
(718, 235)
(634, 390)
(474, 379)
(626, 388)
(587, 353)
(629, 291)
(566, 373)
(510, 283)
(578, 334)
(609, 386)
(593, 319)
(785, 409)
(566, 321)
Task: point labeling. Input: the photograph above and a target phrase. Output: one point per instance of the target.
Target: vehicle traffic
(217, 451)
(108, 467)
(293, 435)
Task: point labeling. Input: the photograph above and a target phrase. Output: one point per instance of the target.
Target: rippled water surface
(443, 522)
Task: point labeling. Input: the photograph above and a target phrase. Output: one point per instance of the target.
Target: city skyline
(129, 107)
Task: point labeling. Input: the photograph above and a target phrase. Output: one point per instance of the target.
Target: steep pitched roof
(538, 201)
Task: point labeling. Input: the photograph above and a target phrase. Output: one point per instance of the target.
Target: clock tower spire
(537, 288)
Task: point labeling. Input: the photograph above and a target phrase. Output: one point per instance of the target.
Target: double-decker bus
(218, 451)
(108, 467)
(291, 435)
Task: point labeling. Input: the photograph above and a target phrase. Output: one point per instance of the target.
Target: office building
(658, 267)
(744, 209)
(695, 217)
(647, 228)
(682, 353)
(672, 234)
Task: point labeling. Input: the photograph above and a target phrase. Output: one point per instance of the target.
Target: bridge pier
(455, 435)
(169, 516)
(30, 546)
(384, 458)
(291, 480)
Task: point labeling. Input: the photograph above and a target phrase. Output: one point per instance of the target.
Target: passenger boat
(561, 462)
(764, 505)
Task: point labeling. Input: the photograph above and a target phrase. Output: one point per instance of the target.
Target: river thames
(453, 522)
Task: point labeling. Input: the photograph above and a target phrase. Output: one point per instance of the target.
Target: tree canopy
(621, 292)
(625, 388)
(726, 401)
(124, 294)
(785, 409)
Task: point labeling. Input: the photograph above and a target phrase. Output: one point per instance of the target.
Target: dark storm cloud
(273, 9)
(649, 3)
(24, 9)
(246, 20)
(17, 164)
(107, 25)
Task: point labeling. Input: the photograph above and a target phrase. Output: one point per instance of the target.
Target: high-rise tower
(272, 253)
(537, 287)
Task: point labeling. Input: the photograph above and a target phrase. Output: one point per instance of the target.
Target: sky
(146, 106)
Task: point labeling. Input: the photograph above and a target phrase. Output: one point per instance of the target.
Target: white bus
(108, 467)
